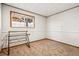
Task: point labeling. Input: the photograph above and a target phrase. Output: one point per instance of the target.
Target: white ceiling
(44, 9)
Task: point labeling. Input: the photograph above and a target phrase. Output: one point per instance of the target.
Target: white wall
(64, 27)
(0, 25)
(36, 33)
(0, 17)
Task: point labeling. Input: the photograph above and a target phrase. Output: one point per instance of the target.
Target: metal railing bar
(17, 31)
(17, 41)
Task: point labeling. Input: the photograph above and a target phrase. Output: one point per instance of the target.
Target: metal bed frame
(17, 35)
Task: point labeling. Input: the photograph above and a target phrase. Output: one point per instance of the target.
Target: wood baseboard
(44, 39)
(23, 42)
(38, 40)
(62, 42)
